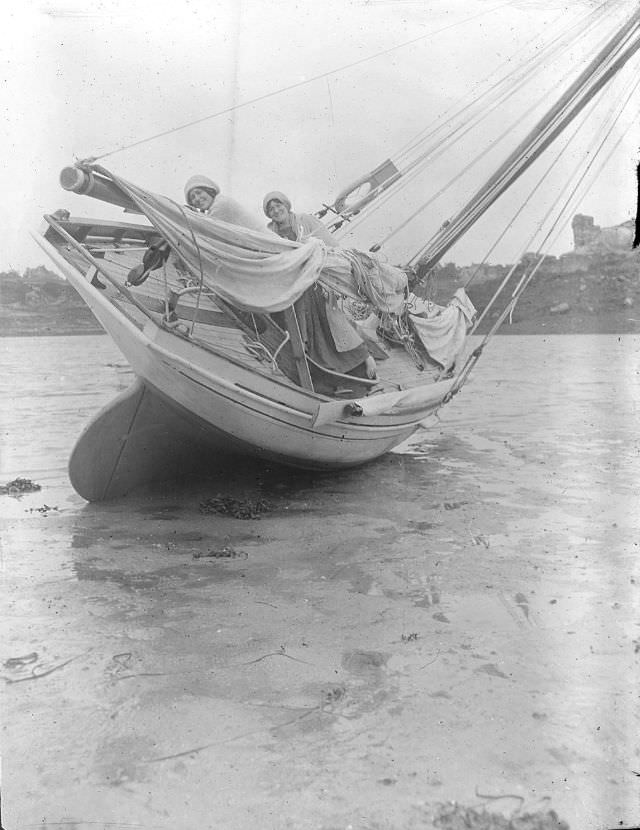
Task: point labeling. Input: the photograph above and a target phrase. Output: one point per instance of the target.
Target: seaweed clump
(237, 508)
(19, 486)
(456, 817)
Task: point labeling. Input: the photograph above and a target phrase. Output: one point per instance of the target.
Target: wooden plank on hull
(297, 347)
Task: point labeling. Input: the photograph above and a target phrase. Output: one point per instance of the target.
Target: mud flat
(354, 658)
(455, 622)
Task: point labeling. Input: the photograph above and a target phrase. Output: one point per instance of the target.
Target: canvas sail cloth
(263, 273)
(255, 271)
(442, 330)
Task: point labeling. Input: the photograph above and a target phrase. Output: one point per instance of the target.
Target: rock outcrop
(589, 238)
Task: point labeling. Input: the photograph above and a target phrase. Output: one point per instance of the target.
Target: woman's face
(277, 211)
(200, 199)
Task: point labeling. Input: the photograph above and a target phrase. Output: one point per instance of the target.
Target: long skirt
(320, 342)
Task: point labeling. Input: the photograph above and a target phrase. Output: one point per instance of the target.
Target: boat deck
(255, 341)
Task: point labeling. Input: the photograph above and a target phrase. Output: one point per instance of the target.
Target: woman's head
(276, 206)
(200, 192)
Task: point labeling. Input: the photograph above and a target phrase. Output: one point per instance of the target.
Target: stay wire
(435, 152)
(559, 42)
(592, 84)
(416, 167)
(587, 115)
(200, 265)
(564, 214)
(528, 243)
(297, 85)
(497, 97)
(461, 173)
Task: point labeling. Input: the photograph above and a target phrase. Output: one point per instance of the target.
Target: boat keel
(136, 439)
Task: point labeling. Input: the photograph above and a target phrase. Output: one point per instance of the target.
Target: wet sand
(451, 623)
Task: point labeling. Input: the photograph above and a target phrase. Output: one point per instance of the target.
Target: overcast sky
(86, 79)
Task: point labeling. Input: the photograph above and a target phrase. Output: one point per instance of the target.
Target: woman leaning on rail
(329, 337)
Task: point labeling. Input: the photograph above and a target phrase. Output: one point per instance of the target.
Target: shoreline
(605, 324)
(69, 333)
(603, 300)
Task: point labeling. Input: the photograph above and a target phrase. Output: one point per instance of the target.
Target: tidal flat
(455, 622)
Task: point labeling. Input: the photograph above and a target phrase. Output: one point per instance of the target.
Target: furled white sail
(262, 272)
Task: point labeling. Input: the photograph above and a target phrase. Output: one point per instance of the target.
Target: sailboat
(204, 311)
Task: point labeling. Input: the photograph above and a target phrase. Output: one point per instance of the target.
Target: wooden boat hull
(142, 436)
(138, 438)
(186, 398)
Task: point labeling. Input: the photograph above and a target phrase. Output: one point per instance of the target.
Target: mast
(557, 118)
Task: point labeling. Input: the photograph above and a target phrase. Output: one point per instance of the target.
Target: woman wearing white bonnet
(330, 339)
(294, 226)
(204, 195)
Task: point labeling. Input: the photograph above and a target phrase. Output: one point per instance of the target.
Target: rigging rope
(201, 284)
(572, 200)
(564, 214)
(495, 98)
(601, 70)
(541, 55)
(296, 85)
(533, 191)
(459, 175)
(404, 181)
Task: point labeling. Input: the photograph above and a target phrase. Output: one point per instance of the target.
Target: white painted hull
(242, 409)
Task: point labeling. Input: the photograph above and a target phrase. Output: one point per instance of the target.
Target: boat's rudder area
(136, 439)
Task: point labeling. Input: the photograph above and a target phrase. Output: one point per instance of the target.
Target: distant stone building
(589, 238)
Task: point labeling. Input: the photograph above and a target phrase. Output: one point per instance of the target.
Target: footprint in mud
(226, 552)
(492, 669)
(426, 591)
(82, 540)
(187, 536)
(364, 662)
(166, 513)
(523, 604)
(454, 505)
(126, 580)
(332, 694)
(420, 527)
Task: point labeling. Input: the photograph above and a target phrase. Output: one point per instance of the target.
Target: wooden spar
(99, 267)
(90, 183)
(538, 139)
(297, 346)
